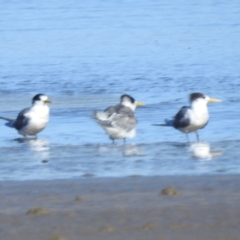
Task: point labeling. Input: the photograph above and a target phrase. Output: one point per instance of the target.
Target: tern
(30, 121)
(119, 121)
(191, 118)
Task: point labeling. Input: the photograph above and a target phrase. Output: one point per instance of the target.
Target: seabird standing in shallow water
(119, 121)
(192, 118)
(32, 120)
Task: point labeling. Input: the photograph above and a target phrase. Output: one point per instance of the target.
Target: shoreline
(130, 208)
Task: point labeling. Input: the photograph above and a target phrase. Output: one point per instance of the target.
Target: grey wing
(123, 121)
(117, 116)
(21, 120)
(124, 118)
(113, 109)
(181, 119)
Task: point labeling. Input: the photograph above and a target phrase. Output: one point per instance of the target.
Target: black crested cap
(194, 96)
(37, 97)
(129, 97)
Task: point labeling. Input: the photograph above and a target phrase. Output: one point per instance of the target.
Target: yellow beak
(47, 101)
(214, 100)
(139, 104)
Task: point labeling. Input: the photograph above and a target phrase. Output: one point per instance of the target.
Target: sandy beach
(133, 208)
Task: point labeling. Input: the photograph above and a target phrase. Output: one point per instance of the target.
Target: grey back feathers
(116, 116)
(21, 120)
(124, 118)
(181, 119)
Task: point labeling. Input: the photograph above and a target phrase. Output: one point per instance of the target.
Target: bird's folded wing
(113, 109)
(182, 119)
(22, 120)
(122, 121)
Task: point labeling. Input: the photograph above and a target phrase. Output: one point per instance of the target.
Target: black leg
(197, 136)
(113, 142)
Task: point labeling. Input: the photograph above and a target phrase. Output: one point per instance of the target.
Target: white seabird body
(30, 121)
(192, 118)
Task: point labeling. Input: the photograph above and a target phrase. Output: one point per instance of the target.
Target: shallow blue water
(85, 54)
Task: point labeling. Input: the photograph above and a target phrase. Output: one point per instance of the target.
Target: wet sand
(133, 208)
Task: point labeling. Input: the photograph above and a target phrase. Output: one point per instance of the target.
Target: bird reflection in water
(40, 147)
(132, 150)
(127, 150)
(202, 150)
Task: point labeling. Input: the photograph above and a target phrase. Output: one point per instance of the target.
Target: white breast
(38, 118)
